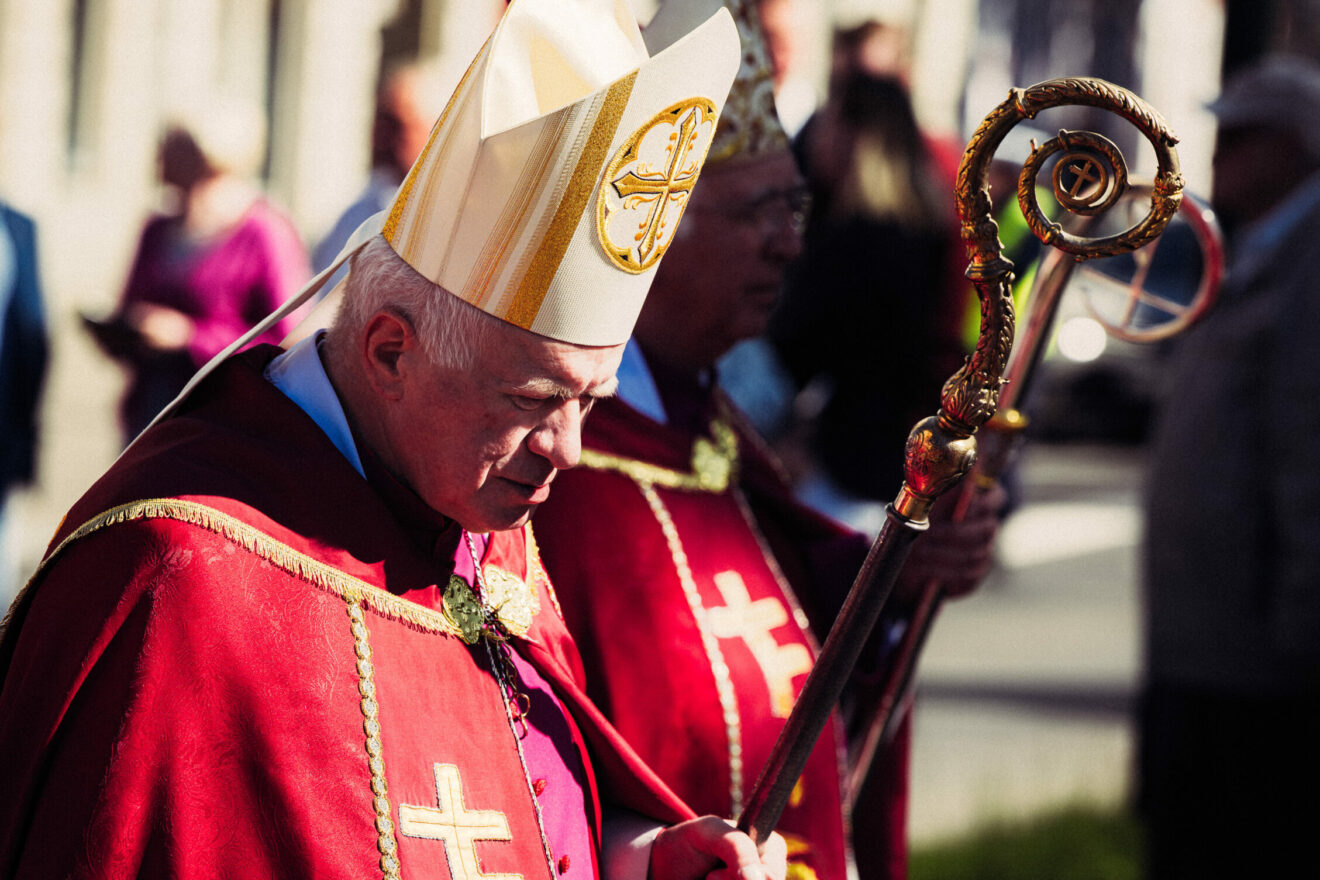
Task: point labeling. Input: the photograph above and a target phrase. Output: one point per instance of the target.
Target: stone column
(1181, 50)
(34, 102)
(325, 75)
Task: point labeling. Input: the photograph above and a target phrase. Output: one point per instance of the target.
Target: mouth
(531, 493)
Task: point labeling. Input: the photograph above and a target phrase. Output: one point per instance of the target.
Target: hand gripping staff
(1087, 179)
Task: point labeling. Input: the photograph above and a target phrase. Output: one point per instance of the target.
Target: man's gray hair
(451, 331)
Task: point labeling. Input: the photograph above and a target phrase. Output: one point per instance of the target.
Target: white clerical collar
(300, 374)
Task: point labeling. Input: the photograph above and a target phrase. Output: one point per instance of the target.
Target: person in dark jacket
(1231, 712)
(23, 354)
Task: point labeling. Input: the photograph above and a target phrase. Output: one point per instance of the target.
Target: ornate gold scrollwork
(941, 449)
(1097, 168)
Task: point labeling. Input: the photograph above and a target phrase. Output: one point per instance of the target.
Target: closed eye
(539, 394)
(527, 402)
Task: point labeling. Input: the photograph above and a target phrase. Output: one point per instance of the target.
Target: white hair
(451, 331)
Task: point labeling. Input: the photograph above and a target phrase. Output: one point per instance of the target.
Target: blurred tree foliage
(1076, 843)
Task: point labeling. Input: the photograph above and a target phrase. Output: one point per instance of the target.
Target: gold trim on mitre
(649, 181)
(501, 207)
(749, 125)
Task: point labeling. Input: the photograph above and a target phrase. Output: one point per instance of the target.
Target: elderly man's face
(721, 277)
(482, 445)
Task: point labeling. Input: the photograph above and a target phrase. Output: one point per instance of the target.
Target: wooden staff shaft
(829, 676)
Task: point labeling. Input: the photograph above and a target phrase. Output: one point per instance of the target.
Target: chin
(753, 322)
(498, 521)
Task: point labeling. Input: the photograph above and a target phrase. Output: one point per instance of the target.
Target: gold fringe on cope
(255, 541)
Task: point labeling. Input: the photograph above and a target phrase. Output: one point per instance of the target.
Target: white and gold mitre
(557, 176)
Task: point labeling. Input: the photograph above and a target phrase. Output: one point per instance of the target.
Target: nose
(558, 439)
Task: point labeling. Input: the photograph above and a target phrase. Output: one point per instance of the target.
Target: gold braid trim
(386, 843)
(714, 470)
(724, 689)
(714, 464)
(278, 554)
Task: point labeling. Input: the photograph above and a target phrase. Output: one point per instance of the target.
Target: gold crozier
(457, 827)
(753, 622)
(1088, 177)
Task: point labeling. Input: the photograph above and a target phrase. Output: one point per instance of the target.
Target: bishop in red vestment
(301, 628)
(242, 657)
(697, 610)
(699, 607)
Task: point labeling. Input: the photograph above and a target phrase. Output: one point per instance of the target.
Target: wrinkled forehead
(517, 355)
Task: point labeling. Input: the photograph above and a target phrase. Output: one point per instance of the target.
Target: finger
(956, 558)
(741, 855)
(979, 525)
(774, 857)
(953, 554)
(720, 842)
(955, 576)
(991, 500)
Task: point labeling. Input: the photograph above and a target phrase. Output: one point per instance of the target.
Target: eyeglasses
(769, 211)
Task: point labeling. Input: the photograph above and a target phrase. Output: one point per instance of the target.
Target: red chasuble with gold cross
(235, 662)
(689, 608)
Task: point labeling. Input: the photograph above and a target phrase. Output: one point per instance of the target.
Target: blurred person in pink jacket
(206, 270)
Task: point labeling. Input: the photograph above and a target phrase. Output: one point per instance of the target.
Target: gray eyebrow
(551, 388)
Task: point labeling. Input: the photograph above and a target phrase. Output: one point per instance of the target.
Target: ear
(388, 346)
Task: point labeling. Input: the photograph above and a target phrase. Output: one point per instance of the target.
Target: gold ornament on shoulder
(714, 462)
(512, 600)
(648, 183)
(710, 465)
(462, 609)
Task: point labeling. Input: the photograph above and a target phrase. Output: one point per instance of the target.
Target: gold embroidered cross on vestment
(649, 181)
(457, 827)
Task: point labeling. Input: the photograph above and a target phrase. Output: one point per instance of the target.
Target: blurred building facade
(85, 85)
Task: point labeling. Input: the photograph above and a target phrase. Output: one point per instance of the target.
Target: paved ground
(1026, 687)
